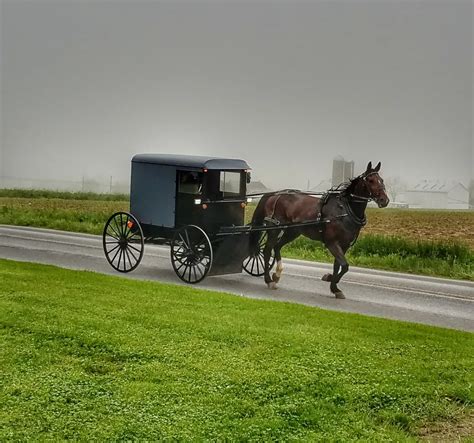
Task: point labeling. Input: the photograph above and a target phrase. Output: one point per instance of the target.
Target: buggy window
(230, 184)
(189, 182)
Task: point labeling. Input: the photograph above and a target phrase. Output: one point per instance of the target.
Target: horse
(335, 219)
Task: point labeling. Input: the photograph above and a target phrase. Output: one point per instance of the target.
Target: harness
(270, 219)
(358, 221)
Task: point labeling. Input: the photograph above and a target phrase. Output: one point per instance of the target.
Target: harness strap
(275, 204)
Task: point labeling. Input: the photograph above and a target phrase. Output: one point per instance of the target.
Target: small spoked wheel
(123, 241)
(254, 264)
(191, 254)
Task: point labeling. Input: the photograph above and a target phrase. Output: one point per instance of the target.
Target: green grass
(94, 357)
(439, 257)
(87, 216)
(65, 195)
(436, 258)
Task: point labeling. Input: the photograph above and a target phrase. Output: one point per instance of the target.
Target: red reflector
(130, 224)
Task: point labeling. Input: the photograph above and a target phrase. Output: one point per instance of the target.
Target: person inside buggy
(190, 182)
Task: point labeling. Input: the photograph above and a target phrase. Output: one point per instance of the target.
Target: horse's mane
(344, 188)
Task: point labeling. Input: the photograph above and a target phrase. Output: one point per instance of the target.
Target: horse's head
(370, 185)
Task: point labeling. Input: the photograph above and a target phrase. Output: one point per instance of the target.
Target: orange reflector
(204, 206)
(242, 204)
(130, 224)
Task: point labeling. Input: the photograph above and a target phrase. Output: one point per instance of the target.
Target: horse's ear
(369, 166)
(377, 168)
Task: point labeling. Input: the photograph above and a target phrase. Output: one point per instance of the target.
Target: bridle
(371, 197)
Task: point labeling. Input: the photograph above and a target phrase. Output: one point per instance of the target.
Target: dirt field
(417, 224)
(423, 224)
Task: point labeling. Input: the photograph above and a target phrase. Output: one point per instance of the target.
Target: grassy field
(93, 357)
(437, 243)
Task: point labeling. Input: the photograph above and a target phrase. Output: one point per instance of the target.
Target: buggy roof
(191, 161)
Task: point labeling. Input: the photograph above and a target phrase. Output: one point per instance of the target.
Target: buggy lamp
(197, 201)
(249, 199)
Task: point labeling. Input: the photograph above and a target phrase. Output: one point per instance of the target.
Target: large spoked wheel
(191, 254)
(255, 264)
(123, 242)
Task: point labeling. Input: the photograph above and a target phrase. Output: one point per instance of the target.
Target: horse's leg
(328, 276)
(287, 237)
(341, 263)
(267, 253)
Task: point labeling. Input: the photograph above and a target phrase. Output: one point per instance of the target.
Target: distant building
(342, 170)
(438, 195)
(257, 187)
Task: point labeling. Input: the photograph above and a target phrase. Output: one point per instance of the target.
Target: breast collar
(359, 221)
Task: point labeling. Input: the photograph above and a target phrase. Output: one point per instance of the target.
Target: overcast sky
(285, 85)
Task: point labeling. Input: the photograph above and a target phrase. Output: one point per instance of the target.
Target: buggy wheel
(123, 242)
(191, 254)
(255, 264)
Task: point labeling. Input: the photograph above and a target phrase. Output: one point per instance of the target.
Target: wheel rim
(255, 264)
(191, 254)
(123, 242)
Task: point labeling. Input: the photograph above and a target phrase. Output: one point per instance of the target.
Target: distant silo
(342, 170)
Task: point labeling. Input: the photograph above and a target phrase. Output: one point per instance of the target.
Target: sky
(285, 85)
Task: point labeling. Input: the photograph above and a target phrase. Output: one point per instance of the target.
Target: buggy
(196, 205)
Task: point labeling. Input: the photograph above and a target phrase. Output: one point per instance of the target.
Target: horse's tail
(257, 220)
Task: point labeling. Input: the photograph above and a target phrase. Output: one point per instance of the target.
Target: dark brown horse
(342, 209)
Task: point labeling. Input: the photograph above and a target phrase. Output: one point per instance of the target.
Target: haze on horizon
(285, 85)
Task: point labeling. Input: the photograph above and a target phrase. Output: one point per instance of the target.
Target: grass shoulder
(91, 356)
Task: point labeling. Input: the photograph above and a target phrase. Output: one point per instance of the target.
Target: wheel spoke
(121, 224)
(118, 250)
(116, 226)
(179, 267)
(253, 265)
(119, 259)
(184, 272)
(128, 256)
(184, 241)
(113, 229)
(127, 228)
(129, 250)
(125, 258)
(134, 234)
(258, 265)
(113, 249)
(134, 248)
(189, 241)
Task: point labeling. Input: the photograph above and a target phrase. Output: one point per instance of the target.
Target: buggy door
(189, 187)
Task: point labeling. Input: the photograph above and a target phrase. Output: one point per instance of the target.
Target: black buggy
(196, 205)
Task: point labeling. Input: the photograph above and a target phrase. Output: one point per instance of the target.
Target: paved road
(433, 301)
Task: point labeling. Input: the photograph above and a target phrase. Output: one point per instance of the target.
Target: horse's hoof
(340, 295)
(272, 285)
(275, 277)
(326, 277)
